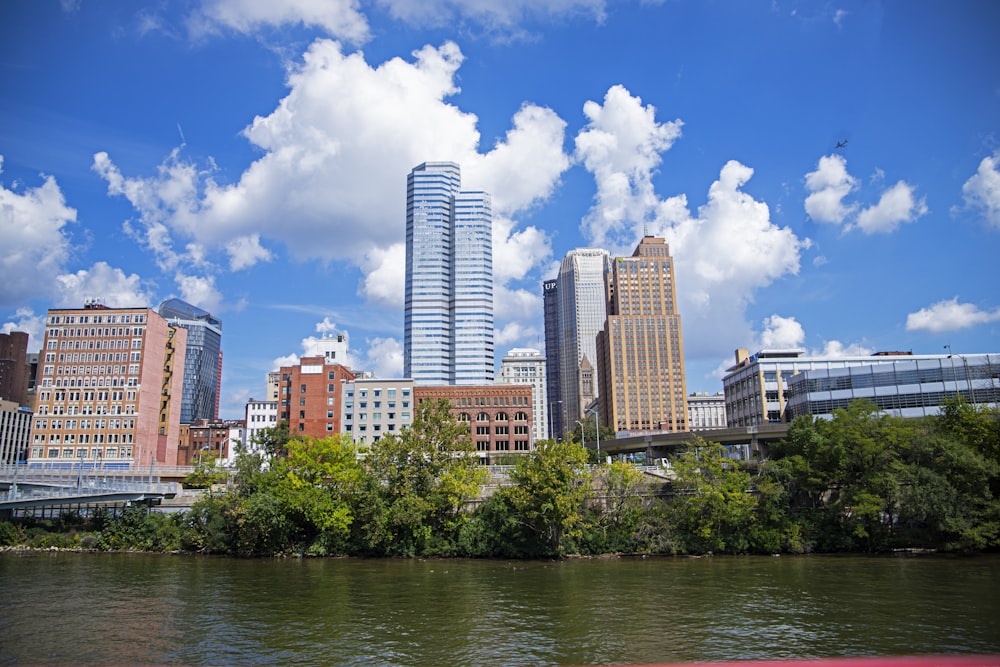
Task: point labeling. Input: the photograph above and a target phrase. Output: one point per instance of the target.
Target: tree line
(863, 481)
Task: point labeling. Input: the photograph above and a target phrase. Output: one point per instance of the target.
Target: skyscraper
(525, 365)
(448, 327)
(202, 363)
(641, 362)
(109, 386)
(575, 308)
(553, 388)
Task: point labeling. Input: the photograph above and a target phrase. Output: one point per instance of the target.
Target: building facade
(15, 432)
(499, 416)
(641, 358)
(554, 425)
(706, 411)
(373, 408)
(759, 387)
(906, 386)
(259, 415)
(109, 386)
(14, 368)
(581, 311)
(448, 301)
(202, 359)
(527, 366)
(309, 397)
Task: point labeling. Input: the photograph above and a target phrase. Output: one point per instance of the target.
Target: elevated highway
(659, 445)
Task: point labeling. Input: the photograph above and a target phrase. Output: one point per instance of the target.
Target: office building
(309, 397)
(258, 416)
(202, 359)
(641, 357)
(553, 388)
(373, 408)
(527, 366)
(774, 386)
(499, 416)
(15, 432)
(109, 386)
(14, 368)
(706, 411)
(448, 310)
(575, 310)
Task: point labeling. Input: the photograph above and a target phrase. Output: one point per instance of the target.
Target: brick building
(14, 368)
(500, 416)
(309, 397)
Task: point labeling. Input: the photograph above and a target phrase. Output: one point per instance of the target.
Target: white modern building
(774, 386)
(371, 408)
(706, 411)
(581, 313)
(523, 365)
(259, 415)
(448, 310)
(15, 432)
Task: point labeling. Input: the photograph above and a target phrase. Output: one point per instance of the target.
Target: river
(81, 608)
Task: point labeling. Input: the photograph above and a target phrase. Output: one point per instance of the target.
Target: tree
(713, 505)
(273, 441)
(418, 484)
(206, 473)
(550, 488)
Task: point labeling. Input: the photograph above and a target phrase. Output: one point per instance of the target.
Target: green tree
(417, 485)
(621, 505)
(206, 473)
(548, 497)
(713, 504)
(273, 441)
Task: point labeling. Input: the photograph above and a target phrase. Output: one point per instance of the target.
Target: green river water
(79, 608)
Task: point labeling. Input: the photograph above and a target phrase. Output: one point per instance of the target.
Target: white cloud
(104, 282)
(723, 255)
(25, 320)
(781, 333)
(326, 326)
(36, 243)
(199, 291)
(828, 186)
(982, 190)
(621, 146)
(835, 349)
(245, 251)
(339, 18)
(320, 186)
(384, 357)
(515, 253)
(949, 315)
(287, 360)
(898, 204)
(514, 334)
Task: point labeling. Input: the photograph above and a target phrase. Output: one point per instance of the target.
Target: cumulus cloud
(781, 333)
(319, 187)
(36, 242)
(835, 349)
(25, 320)
(949, 315)
(897, 205)
(199, 291)
(339, 18)
(384, 357)
(621, 146)
(982, 190)
(723, 254)
(828, 186)
(326, 326)
(104, 282)
(245, 251)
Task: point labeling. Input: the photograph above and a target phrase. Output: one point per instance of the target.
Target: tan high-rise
(109, 387)
(640, 349)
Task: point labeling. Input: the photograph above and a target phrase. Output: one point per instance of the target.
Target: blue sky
(250, 157)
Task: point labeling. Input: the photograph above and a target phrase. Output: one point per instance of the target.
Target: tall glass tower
(202, 361)
(575, 310)
(448, 327)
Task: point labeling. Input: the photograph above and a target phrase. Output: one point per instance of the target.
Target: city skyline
(827, 177)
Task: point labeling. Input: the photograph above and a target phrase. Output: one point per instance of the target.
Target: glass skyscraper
(575, 310)
(202, 361)
(448, 327)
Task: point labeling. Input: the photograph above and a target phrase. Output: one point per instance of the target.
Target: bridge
(43, 491)
(652, 445)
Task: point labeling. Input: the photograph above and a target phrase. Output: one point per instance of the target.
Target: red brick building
(309, 397)
(499, 416)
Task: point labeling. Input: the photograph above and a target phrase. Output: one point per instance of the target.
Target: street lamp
(583, 437)
(597, 422)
